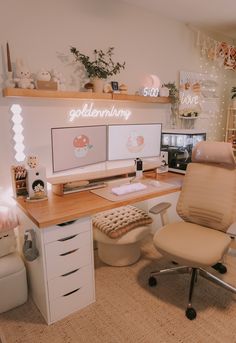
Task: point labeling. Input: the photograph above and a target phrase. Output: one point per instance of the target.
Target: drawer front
(68, 282)
(69, 303)
(56, 232)
(65, 245)
(66, 262)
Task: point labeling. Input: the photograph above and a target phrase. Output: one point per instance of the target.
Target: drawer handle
(76, 290)
(67, 238)
(69, 252)
(67, 223)
(73, 271)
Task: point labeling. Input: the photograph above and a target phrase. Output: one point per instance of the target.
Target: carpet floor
(127, 310)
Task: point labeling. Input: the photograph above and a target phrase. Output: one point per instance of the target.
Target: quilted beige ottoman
(119, 232)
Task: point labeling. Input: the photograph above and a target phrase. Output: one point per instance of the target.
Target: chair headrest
(214, 152)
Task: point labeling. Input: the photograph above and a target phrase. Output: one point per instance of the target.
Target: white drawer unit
(62, 277)
(63, 230)
(65, 256)
(67, 283)
(70, 302)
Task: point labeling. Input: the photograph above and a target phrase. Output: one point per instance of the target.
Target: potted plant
(174, 98)
(101, 66)
(173, 92)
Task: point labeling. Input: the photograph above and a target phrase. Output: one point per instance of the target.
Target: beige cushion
(208, 196)
(117, 222)
(191, 244)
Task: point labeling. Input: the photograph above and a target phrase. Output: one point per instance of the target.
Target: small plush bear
(23, 76)
(43, 75)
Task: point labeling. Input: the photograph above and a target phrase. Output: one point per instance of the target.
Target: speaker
(36, 183)
(164, 157)
(138, 168)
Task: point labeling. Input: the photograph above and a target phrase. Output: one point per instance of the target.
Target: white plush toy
(58, 77)
(43, 75)
(23, 76)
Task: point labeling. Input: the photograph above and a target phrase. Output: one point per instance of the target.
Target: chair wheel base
(152, 281)
(191, 313)
(176, 263)
(220, 268)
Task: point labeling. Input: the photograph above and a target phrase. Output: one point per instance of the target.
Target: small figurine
(123, 88)
(88, 87)
(32, 161)
(58, 77)
(107, 88)
(23, 76)
(43, 75)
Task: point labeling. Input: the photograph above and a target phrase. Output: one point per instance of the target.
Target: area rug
(127, 310)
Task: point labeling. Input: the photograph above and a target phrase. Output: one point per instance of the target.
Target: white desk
(62, 277)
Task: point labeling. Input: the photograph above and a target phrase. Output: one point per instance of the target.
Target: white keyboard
(130, 188)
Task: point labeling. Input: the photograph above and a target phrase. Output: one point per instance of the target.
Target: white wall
(41, 33)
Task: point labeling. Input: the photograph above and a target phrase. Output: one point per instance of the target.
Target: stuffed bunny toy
(23, 76)
(58, 77)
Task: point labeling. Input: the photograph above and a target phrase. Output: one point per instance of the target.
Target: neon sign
(188, 99)
(88, 111)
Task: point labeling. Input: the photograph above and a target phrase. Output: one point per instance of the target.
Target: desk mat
(106, 192)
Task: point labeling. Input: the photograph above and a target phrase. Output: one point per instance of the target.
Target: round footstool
(118, 234)
(121, 251)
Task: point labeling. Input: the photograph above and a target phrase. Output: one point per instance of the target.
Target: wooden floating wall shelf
(50, 94)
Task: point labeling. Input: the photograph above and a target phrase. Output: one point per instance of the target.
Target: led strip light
(17, 128)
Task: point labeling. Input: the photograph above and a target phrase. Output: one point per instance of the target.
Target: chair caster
(191, 313)
(220, 268)
(174, 262)
(152, 281)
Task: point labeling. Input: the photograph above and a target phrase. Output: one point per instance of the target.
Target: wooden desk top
(58, 209)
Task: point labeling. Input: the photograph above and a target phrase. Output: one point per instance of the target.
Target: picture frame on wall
(79, 146)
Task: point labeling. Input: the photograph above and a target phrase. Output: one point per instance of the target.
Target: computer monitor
(74, 147)
(133, 141)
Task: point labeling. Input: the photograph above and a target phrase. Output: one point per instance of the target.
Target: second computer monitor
(134, 140)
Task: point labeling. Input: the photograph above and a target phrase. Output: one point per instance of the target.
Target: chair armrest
(162, 210)
(157, 209)
(232, 230)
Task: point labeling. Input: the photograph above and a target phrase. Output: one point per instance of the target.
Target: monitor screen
(132, 141)
(74, 147)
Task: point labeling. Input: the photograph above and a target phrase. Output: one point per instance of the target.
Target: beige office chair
(207, 205)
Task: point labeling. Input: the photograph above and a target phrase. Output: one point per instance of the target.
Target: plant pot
(98, 85)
